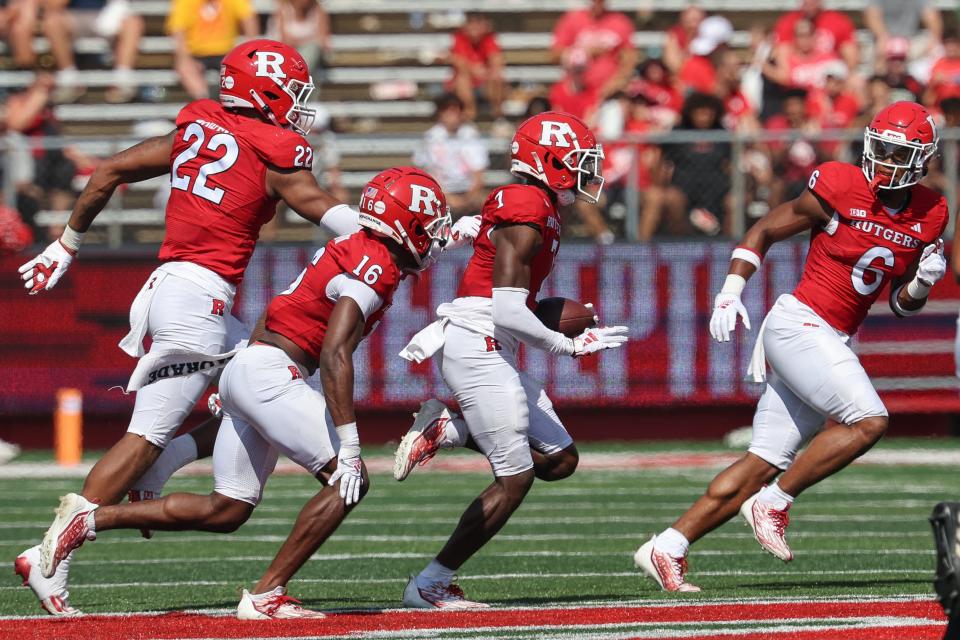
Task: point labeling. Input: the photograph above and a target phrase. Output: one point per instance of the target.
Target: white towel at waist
(426, 342)
(163, 365)
(132, 343)
(757, 370)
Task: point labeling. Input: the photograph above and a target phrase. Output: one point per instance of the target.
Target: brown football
(569, 317)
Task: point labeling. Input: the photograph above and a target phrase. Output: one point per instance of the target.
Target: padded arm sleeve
(341, 220)
(510, 312)
(366, 298)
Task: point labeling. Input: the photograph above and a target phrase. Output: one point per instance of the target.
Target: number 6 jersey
(219, 200)
(357, 266)
(864, 246)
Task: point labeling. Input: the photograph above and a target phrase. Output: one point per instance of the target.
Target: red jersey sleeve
(830, 181)
(840, 25)
(783, 28)
(518, 204)
(284, 149)
(460, 46)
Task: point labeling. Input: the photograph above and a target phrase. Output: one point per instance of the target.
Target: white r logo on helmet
(268, 64)
(557, 134)
(424, 200)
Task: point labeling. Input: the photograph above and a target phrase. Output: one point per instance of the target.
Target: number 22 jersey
(864, 246)
(218, 200)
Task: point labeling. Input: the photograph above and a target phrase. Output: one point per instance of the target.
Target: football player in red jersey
(230, 163)
(506, 413)
(870, 226)
(316, 324)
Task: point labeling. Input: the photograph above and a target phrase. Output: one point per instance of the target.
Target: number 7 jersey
(863, 247)
(219, 200)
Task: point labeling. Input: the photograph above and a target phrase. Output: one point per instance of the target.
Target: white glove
(43, 272)
(932, 265)
(463, 231)
(348, 473)
(598, 339)
(214, 406)
(726, 308)
(348, 464)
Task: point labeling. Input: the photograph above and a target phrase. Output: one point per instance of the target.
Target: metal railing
(734, 178)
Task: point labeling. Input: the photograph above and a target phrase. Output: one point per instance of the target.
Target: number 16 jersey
(864, 246)
(218, 197)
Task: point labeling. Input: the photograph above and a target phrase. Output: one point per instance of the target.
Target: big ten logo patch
(218, 307)
(492, 345)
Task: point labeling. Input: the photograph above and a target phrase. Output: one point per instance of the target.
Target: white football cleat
(769, 526)
(69, 530)
(51, 592)
(272, 605)
(138, 495)
(668, 571)
(422, 441)
(437, 595)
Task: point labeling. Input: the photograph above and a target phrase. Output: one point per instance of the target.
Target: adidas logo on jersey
(916, 228)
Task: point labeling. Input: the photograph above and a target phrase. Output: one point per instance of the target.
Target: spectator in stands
(305, 26)
(43, 176)
(897, 73)
(700, 171)
(203, 32)
(18, 20)
(936, 179)
(699, 72)
(64, 20)
(891, 20)
(835, 106)
(800, 64)
(739, 114)
(477, 65)
(833, 31)
(606, 37)
(656, 85)
(945, 74)
(676, 45)
(571, 94)
(794, 159)
(455, 154)
(537, 104)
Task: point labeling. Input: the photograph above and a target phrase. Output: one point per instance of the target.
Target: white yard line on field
(620, 461)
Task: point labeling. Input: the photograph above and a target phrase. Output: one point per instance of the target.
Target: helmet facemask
(438, 232)
(589, 171)
(906, 159)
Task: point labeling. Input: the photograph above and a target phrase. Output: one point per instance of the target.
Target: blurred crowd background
(710, 113)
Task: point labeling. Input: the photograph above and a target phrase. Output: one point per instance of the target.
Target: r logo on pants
(492, 345)
(218, 307)
(295, 373)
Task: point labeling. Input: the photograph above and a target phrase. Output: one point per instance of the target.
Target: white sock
(773, 495)
(454, 434)
(91, 525)
(435, 572)
(180, 452)
(672, 542)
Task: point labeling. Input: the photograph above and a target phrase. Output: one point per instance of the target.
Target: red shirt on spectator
(680, 34)
(831, 30)
(808, 72)
(603, 39)
(660, 95)
(945, 79)
(698, 74)
(564, 97)
(475, 53)
(836, 113)
(736, 107)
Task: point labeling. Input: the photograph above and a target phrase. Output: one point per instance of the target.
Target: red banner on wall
(663, 292)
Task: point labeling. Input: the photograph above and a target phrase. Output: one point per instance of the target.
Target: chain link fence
(679, 184)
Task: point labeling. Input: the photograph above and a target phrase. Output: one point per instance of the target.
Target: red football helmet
(897, 146)
(407, 205)
(271, 78)
(560, 151)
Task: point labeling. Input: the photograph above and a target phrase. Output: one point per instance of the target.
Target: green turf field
(862, 532)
